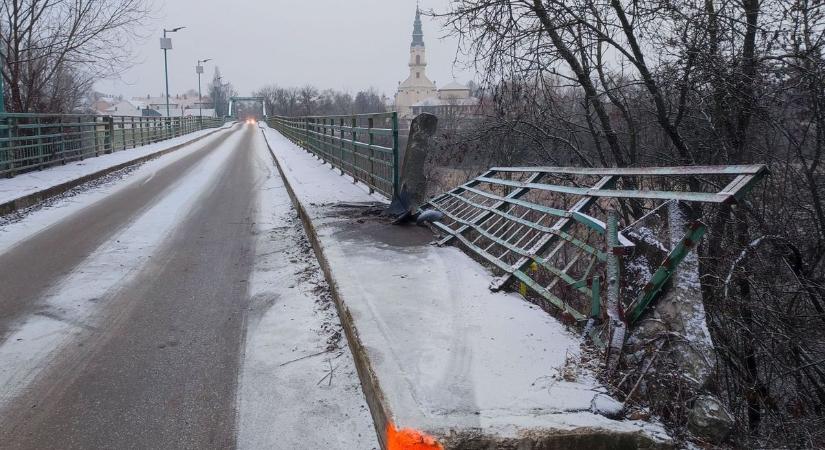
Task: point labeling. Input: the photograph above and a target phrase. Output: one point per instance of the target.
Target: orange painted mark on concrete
(410, 439)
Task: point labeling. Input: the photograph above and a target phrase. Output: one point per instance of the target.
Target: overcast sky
(342, 44)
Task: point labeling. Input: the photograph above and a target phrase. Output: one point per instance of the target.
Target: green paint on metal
(364, 146)
(666, 270)
(35, 141)
(499, 216)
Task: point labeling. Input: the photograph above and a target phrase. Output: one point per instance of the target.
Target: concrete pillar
(413, 180)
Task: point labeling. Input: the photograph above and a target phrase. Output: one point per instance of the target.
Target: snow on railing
(36, 141)
(364, 146)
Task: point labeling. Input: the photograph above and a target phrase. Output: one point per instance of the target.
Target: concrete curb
(369, 381)
(45, 194)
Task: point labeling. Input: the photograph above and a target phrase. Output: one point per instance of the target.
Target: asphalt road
(160, 370)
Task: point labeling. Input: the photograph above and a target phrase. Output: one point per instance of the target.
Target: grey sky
(342, 44)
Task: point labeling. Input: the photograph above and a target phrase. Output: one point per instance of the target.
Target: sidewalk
(31, 187)
(445, 362)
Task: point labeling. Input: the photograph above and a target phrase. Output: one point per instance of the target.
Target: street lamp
(199, 71)
(166, 45)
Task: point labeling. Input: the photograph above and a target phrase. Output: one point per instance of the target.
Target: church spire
(418, 33)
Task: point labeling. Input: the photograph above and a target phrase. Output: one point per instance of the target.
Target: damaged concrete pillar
(413, 180)
(683, 311)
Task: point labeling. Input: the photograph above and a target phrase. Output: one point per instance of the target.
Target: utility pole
(199, 70)
(2, 86)
(166, 45)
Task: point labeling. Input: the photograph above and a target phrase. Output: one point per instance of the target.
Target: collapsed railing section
(538, 227)
(36, 141)
(364, 146)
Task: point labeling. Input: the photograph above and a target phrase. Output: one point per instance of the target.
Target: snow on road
(31, 182)
(298, 384)
(67, 315)
(298, 387)
(14, 229)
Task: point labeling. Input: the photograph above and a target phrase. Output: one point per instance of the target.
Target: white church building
(418, 93)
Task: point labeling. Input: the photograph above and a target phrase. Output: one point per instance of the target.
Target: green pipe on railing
(353, 144)
(31, 141)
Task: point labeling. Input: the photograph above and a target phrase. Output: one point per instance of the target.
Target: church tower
(417, 86)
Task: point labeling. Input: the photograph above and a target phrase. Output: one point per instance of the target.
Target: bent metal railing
(364, 146)
(538, 228)
(36, 141)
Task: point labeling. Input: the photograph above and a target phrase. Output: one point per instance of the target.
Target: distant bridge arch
(234, 101)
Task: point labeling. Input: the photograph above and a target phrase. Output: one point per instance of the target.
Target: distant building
(129, 108)
(179, 106)
(418, 94)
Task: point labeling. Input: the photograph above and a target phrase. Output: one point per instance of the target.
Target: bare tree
(308, 100)
(618, 83)
(54, 48)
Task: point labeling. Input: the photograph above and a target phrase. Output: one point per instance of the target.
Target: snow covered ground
(298, 385)
(13, 229)
(449, 356)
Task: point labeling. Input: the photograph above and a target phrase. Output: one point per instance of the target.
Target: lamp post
(166, 45)
(199, 70)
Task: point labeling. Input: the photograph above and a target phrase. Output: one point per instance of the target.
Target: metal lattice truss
(235, 100)
(538, 226)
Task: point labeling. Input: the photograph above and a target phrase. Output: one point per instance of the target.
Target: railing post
(40, 142)
(343, 143)
(5, 144)
(370, 125)
(96, 132)
(352, 166)
(617, 325)
(12, 146)
(322, 146)
(395, 156)
(109, 136)
(134, 136)
(304, 133)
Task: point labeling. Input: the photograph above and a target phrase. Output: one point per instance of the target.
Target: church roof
(455, 86)
(418, 32)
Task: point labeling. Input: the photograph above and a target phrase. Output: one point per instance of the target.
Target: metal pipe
(199, 70)
(2, 86)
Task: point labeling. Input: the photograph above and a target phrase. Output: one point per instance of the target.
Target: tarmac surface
(157, 361)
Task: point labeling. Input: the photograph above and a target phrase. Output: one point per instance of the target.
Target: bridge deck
(163, 310)
(438, 352)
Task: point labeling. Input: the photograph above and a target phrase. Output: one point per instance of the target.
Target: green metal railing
(35, 141)
(538, 227)
(364, 146)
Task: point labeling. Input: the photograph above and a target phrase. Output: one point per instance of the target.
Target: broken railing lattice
(538, 226)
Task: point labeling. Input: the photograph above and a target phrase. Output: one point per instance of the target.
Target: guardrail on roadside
(31, 141)
(364, 146)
